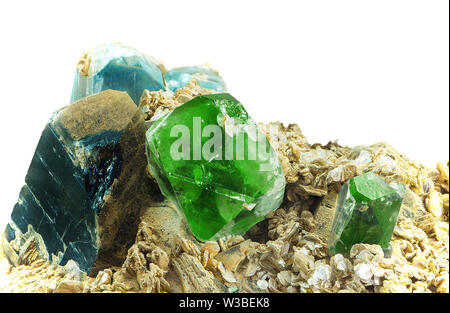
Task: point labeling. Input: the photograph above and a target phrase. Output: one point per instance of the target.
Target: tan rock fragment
(227, 275)
(84, 63)
(324, 216)
(441, 231)
(209, 250)
(435, 203)
(232, 257)
(443, 178)
(70, 286)
(193, 276)
(154, 104)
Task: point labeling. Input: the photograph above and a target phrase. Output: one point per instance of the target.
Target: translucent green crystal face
(367, 212)
(212, 160)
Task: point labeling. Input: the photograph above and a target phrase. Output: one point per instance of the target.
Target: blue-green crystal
(84, 149)
(118, 67)
(206, 78)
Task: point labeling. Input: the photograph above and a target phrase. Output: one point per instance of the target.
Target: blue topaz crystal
(85, 183)
(117, 67)
(206, 78)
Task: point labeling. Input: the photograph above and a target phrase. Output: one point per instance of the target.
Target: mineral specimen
(367, 212)
(82, 190)
(117, 67)
(206, 77)
(293, 260)
(286, 253)
(226, 177)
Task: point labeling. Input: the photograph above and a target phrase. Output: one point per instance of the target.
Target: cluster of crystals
(89, 156)
(226, 178)
(366, 212)
(118, 67)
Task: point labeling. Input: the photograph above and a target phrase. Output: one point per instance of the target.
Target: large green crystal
(212, 160)
(366, 212)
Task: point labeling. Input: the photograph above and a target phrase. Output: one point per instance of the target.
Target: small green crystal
(221, 172)
(366, 212)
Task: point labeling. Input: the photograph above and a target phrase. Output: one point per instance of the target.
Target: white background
(357, 71)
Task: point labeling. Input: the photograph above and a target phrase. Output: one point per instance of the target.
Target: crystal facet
(117, 67)
(224, 191)
(206, 78)
(78, 192)
(366, 212)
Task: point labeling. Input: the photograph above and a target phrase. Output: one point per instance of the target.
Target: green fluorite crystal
(212, 160)
(366, 212)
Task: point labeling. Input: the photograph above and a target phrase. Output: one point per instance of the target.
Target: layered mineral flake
(118, 67)
(366, 212)
(206, 77)
(83, 184)
(212, 160)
